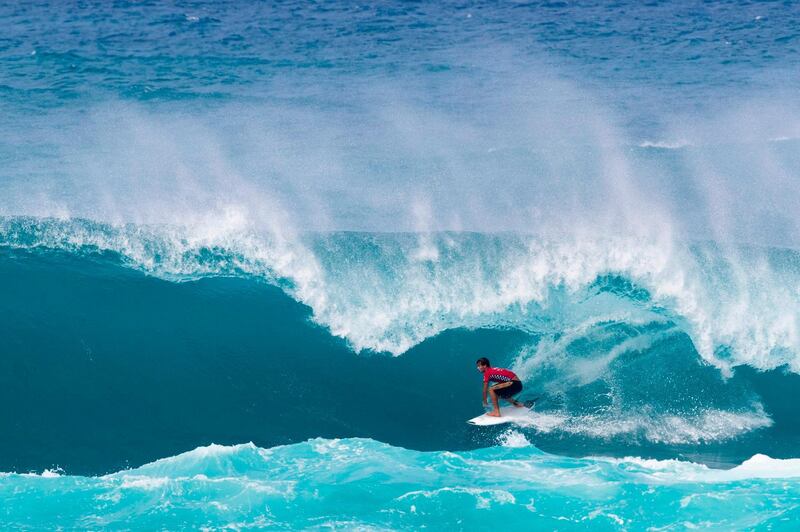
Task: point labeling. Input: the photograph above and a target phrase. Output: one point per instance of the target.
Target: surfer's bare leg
(514, 402)
(496, 411)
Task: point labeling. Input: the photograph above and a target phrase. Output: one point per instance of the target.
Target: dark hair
(483, 361)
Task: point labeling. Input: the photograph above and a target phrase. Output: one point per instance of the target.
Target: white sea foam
(144, 483)
(513, 438)
(711, 425)
(665, 144)
(759, 466)
(484, 498)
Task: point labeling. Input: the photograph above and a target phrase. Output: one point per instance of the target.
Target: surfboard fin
(530, 402)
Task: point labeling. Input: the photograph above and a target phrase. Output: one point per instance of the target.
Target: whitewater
(363, 484)
(249, 254)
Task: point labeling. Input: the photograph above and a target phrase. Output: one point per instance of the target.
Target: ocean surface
(250, 252)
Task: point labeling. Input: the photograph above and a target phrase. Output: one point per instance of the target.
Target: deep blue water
(298, 225)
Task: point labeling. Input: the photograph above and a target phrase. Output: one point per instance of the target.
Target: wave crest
(389, 292)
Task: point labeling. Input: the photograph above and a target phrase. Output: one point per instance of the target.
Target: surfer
(507, 385)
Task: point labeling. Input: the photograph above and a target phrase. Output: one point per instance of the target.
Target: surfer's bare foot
(518, 404)
(494, 413)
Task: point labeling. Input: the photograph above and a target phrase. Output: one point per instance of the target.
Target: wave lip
(367, 484)
(390, 292)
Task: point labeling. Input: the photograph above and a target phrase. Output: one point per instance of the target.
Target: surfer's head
(483, 363)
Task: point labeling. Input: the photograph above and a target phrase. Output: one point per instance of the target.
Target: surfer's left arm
(485, 393)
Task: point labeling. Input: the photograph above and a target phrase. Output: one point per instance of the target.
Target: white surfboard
(508, 414)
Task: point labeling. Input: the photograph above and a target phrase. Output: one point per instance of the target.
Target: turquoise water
(354, 483)
(299, 224)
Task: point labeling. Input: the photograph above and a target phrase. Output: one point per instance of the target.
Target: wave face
(245, 336)
(364, 484)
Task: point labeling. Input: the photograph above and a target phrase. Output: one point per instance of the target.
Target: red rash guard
(499, 375)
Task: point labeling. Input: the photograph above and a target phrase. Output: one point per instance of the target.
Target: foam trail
(705, 427)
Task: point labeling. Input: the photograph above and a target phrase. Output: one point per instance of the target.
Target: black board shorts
(509, 391)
